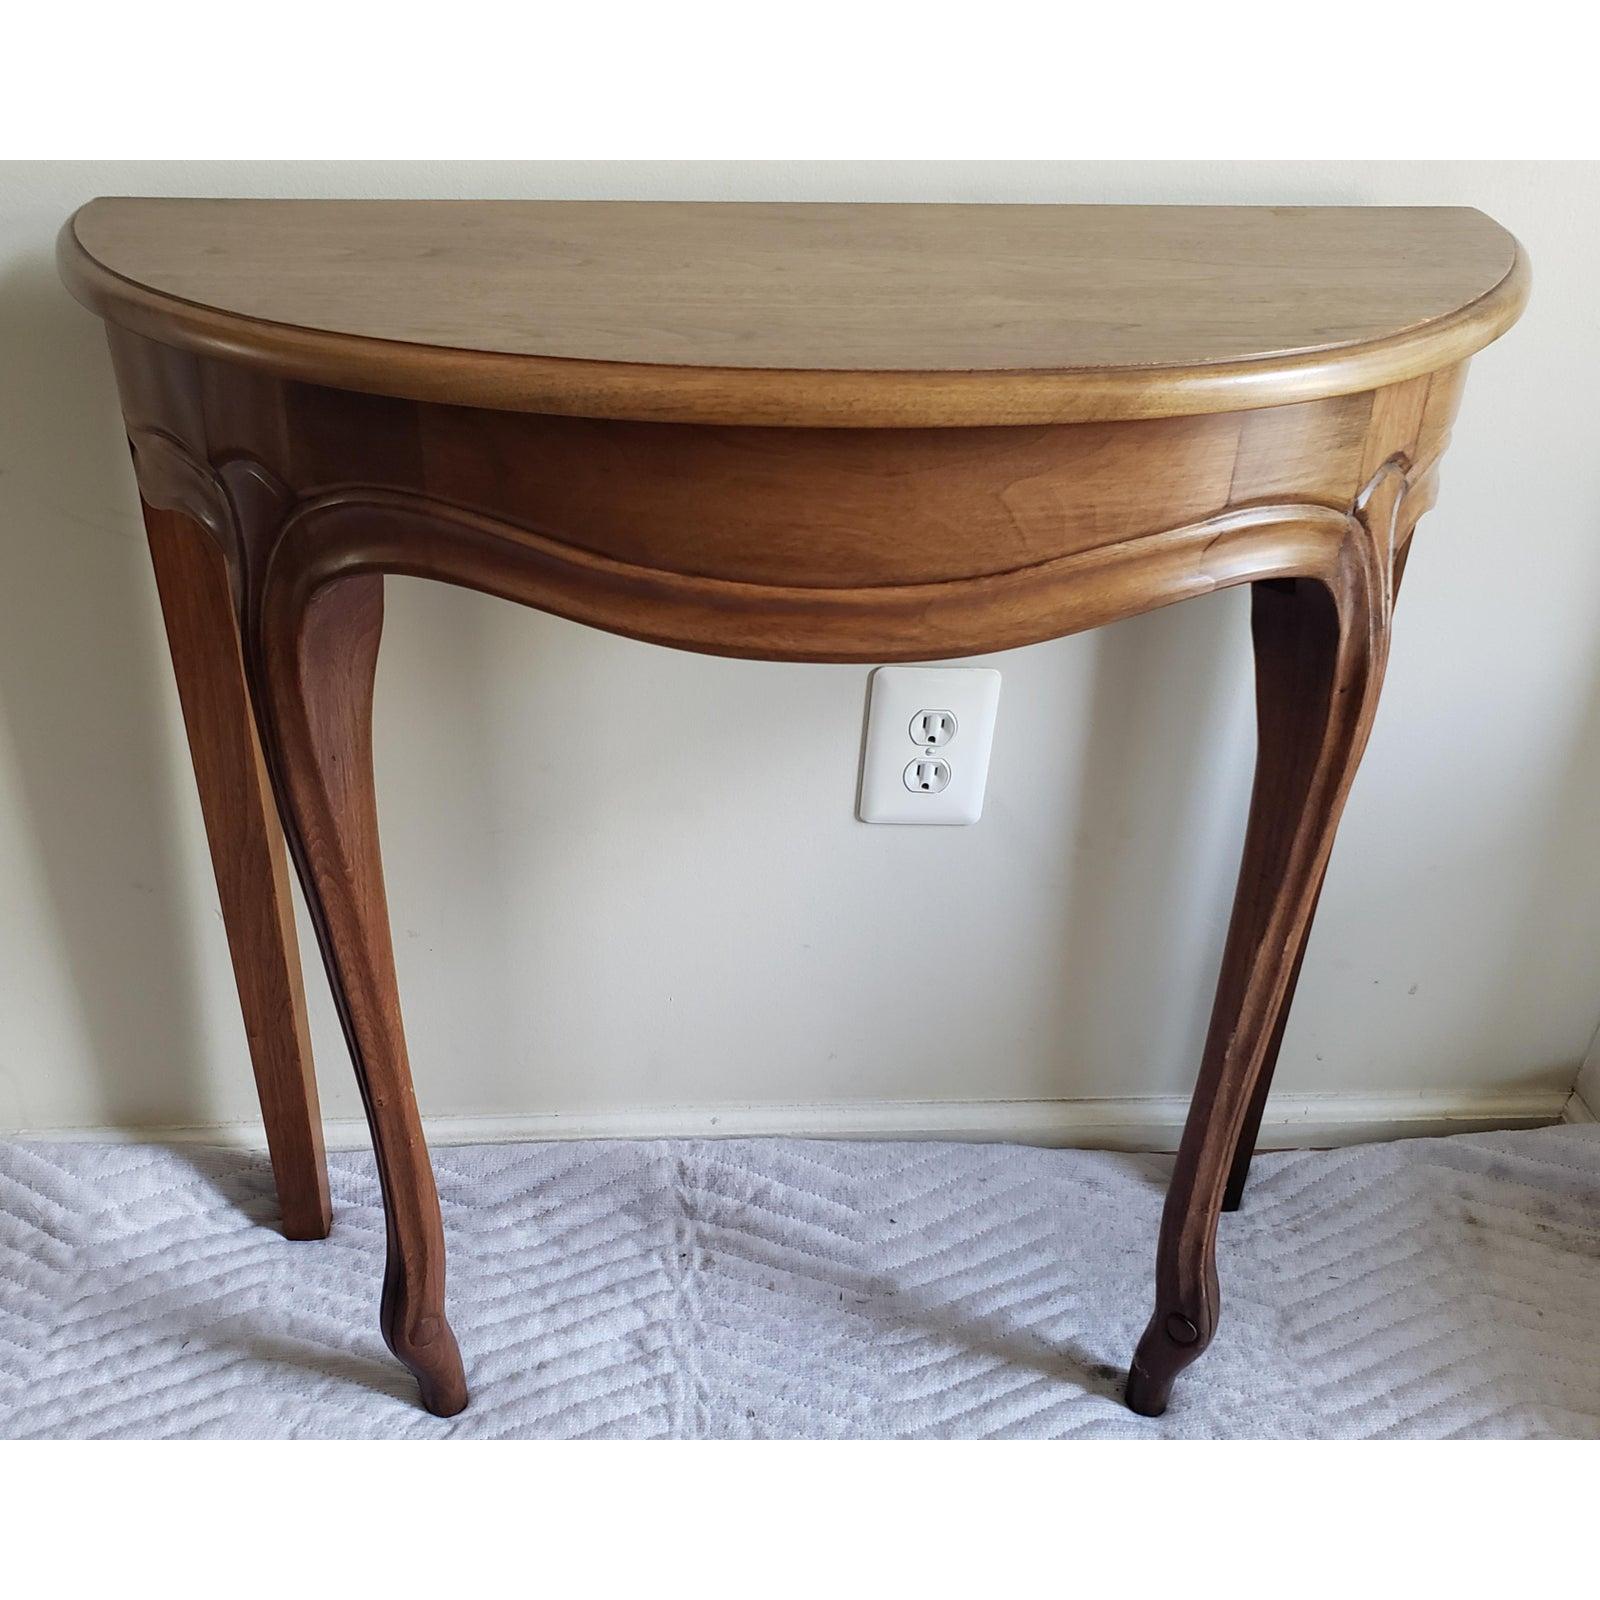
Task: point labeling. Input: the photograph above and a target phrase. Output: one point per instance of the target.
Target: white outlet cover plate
(898, 694)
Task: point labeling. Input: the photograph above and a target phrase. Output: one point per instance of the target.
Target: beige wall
(570, 940)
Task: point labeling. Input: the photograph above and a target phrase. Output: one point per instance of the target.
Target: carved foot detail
(1170, 1343)
(427, 1348)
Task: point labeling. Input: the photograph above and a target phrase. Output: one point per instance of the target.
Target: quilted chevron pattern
(792, 1288)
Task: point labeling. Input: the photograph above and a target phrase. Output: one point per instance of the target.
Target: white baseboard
(1132, 1123)
(1584, 1106)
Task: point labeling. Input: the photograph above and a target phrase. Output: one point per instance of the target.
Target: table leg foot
(428, 1350)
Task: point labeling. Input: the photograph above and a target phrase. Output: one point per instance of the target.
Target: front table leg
(317, 658)
(1272, 749)
(1320, 654)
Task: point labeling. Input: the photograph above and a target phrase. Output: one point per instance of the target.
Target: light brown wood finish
(1024, 504)
(808, 315)
(247, 856)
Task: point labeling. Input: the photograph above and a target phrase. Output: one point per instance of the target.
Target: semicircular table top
(807, 315)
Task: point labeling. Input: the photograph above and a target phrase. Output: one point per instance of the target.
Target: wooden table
(790, 432)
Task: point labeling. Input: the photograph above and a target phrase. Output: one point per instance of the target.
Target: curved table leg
(247, 857)
(1319, 659)
(1271, 754)
(317, 657)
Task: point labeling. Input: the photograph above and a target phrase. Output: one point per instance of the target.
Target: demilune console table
(793, 432)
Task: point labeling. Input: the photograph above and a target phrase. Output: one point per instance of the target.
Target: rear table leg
(247, 856)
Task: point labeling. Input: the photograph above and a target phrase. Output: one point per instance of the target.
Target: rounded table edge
(771, 397)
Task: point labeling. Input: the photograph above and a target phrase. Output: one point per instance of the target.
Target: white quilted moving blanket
(789, 1288)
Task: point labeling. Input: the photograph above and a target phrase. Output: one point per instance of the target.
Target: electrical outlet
(933, 728)
(929, 730)
(928, 775)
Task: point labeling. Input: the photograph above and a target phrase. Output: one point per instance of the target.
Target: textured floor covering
(787, 1288)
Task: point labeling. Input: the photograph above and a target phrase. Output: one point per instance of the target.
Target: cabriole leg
(1272, 720)
(317, 658)
(1319, 660)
